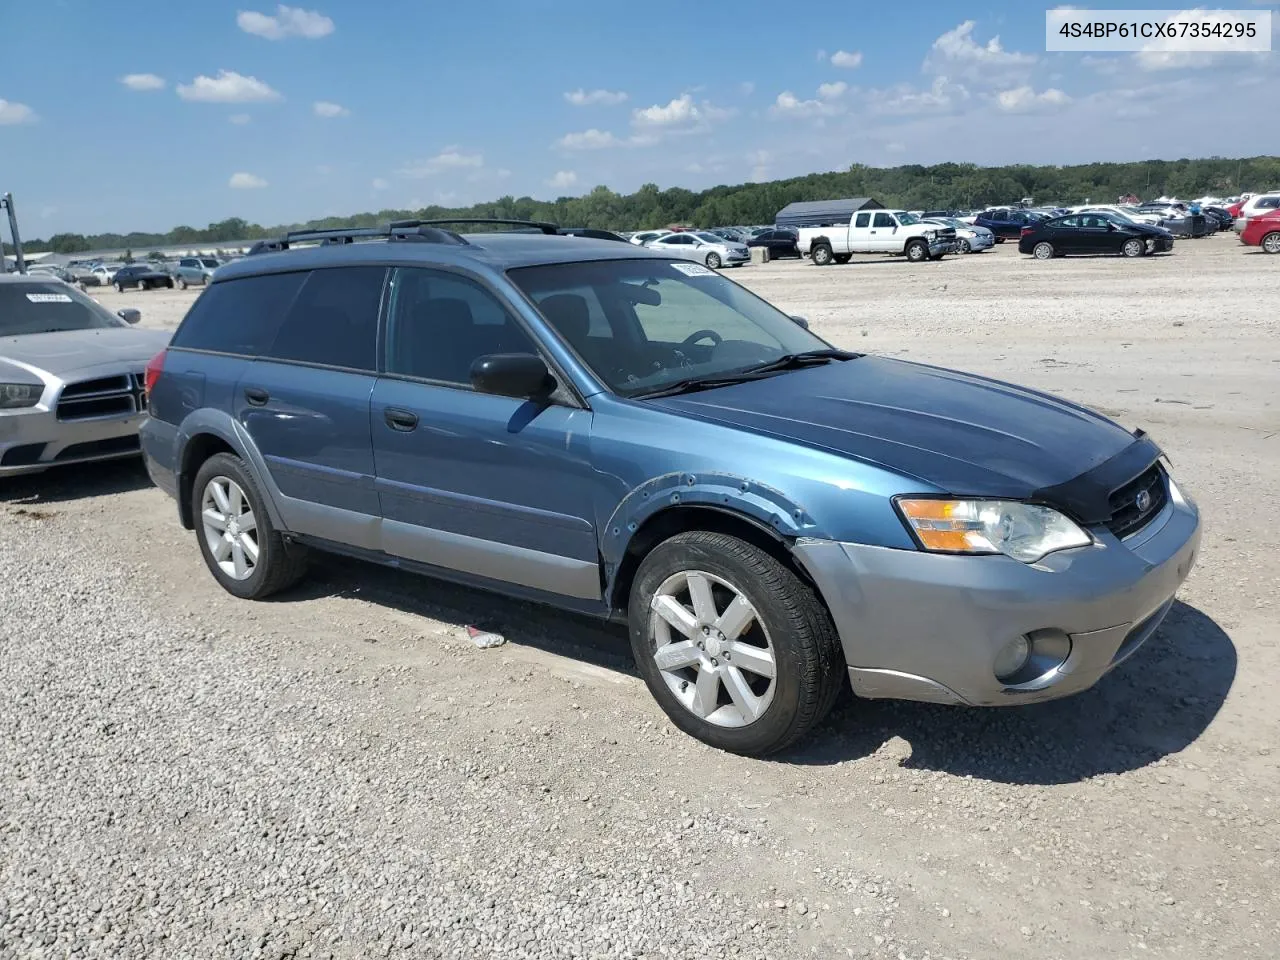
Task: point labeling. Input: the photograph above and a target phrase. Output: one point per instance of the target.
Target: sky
(142, 118)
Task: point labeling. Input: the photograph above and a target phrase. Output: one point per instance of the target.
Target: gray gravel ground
(341, 773)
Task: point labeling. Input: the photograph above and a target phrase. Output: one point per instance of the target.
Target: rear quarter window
(239, 317)
(334, 319)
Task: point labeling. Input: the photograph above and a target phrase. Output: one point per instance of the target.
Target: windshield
(907, 219)
(49, 306)
(641, 325)
(210, 262)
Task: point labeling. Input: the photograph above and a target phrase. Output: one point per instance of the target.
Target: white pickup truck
(877, 231)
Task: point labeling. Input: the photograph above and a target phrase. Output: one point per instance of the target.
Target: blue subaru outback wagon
(611, 431)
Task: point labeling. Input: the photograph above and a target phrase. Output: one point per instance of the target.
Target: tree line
(911, 186)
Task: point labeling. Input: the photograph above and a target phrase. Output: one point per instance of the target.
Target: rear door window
(239, 317)
(334, 319)
(862, 220)
(885, 220)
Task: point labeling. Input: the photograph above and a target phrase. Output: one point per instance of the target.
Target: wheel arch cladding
(208, 432)
(675, 502)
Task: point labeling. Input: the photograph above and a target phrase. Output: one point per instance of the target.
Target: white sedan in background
(644, 237)
(706, 248)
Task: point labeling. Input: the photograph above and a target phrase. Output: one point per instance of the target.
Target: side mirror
(129, 315)
(521, 375)
(802, 321)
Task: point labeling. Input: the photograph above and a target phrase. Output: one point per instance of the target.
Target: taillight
(155, 366)
(1025, 231)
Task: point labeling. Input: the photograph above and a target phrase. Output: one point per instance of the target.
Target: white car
(1255, 206)
(645, 236)
(706, 248)
(1124, 213)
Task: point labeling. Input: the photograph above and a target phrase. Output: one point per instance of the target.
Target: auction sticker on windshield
(694, 270)
(48, 298)
(1155, 34)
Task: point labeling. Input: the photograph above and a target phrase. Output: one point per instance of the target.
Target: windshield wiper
(788, 361)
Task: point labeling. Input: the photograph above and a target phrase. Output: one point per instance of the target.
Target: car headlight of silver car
(14, 396)
(1023, 531)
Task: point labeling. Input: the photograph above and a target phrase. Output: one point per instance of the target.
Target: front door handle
(397, 419)
(256, 396)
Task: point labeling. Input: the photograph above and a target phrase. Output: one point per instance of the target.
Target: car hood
(964, 434)
(75, 350)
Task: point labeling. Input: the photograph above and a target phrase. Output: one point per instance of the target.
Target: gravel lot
(341, 773)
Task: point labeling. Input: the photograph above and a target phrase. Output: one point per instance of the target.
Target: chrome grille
(117, 396)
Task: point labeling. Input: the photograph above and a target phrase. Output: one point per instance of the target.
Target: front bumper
(924, 626)
(34, 441)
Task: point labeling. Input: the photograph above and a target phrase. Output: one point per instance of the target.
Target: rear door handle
(256, 396)
(397, 419)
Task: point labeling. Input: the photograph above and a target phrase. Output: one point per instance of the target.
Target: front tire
(119, 288)
(1133, 248)
(964, 247)
(821, 255)
(1043, 250)
(713, 261)
(917, 251)
(182, 283)
(1271, 242)
(240, 546)
(738, 651)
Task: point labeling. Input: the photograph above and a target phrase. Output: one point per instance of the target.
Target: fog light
(1011, 660)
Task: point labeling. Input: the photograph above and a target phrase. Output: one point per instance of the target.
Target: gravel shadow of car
(1155, 704)
(528, 624)
(80, 481)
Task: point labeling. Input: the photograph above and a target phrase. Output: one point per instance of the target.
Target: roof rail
(399, 230)
(542, 226)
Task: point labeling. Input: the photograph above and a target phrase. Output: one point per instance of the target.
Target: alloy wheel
(230, 527)
(712, 649)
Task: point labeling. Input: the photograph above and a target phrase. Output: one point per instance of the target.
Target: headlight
(1023, 531)
(16, 395)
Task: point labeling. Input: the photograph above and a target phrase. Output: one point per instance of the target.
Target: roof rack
(400, 230)
(542, 226)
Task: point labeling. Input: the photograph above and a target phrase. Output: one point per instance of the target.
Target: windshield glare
(641, 325)
(49, 307)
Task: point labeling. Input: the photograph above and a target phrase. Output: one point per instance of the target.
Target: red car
(1263, 231)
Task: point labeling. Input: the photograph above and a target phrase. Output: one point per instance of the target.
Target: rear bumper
(921, 626)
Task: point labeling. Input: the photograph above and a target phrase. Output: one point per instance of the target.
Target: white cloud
(379, 184)
(679, 112)
(11, 113)
(288, 22)
(788, 104)
(227, 87)
(588, 98)
(1025, 100)
(1158, 55)
(240, 119)
(832, 91)
(450, 158)
(592, 139)
(956, 53)
(563, 179)
(850, 60)
(904, 100)
(323, 108)
(142, 81)
(246, 181)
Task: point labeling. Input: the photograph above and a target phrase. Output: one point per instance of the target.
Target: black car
(141, 275)
(781, 243)
(1092, 233)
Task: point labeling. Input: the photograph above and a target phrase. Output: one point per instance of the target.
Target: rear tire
(277, 564)
(917, 251)
(786, 624)
(1271, 242)
(1133, 248)
(822, 255)
(119, 288)
(182, 283)
(1043, 250)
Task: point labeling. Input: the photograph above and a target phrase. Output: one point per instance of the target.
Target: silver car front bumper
(926, 626)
